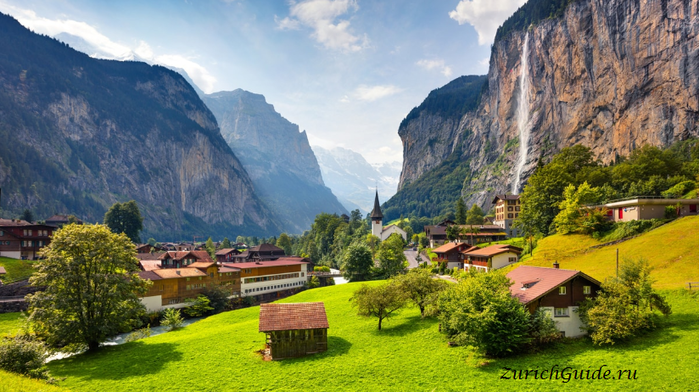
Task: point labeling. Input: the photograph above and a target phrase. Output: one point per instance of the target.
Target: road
(411, 255)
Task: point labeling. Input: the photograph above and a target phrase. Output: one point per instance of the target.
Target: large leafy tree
(284, 242)
(357, 262)
(475, 215)
(379, 301)
(420, 287)
(391, 257)
(90, 287)
(461, 213)
(125, 218)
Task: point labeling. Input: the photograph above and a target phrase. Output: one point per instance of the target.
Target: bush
(199, 306)
(151, 318)
(139, 334)
(631, 228)
(680, 189)
(218, 298)
(172, 319)
(670, 212)
(542, 328)
(24, 355)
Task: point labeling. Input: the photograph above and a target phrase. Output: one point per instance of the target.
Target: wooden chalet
(22, 240)
(264, 252)
(226, 255)
(450, 254)
(294, 330)
(491, 257)
(147, 248)
(61, 220)
(181, 259)
(558, 291)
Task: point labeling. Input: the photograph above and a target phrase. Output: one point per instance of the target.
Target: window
(2, 233)
(560, 312)
(513, 259)
(187, 279)
(562, 290)
(189, 287)
(587, 290)
(509, 216)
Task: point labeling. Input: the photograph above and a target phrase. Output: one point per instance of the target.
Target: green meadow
(16, 269)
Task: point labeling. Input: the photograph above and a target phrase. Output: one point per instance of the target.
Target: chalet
(267, 280)
(61, 220)
(377, 228)
(450, 254)
(479, 234)
(22, 240)
(437, 234)
(148, 248)
(558, 291)
(226, 255)
(294, 330)
(507, 209)
(650, 207)
(183, 258)
(491, 257)
(264, 252)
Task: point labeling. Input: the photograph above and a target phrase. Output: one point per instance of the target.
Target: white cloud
(485, 15)
(101, 46)
(435, 64)
(372, 93)
(321, 15)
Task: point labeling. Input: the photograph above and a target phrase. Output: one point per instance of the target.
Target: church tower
(376, 217)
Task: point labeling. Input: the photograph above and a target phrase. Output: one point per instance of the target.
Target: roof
(649, 201)
(149, 256)
(448, 247)
(179, 255)
(271, 263)
(171, 273)
(436, 230)
(226, 251)
(376, 212)
(149, 265)
(285, 317)
(149, 275)
(227, 268)
(201, 264)
(541, 281)
(505, 197)
(266, 248)
(14, 222)
(493, 250)
(2, 270)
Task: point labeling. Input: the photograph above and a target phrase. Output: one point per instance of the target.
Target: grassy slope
(672, 249)
(10, 382)
(10, 323)
(409, 354)
(16, 269)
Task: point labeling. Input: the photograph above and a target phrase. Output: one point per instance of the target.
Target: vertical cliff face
(277, 156)
(609, 74)
(80, 134)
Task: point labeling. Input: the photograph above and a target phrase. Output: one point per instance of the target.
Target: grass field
(218, 354)
(672, 249)
(16, 269)
(10, 382)
(10, 323)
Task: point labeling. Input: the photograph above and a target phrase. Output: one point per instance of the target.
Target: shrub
(172, 319)
(631, 228)
(24, 355)
(680, 189)
(670, 212)
(218, 298)
(313, 282)
(139, 334)
(199, 306)
(542, 328)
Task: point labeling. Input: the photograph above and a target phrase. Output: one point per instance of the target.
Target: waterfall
(523, 117)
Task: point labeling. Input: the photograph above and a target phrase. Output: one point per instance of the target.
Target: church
(377, 228)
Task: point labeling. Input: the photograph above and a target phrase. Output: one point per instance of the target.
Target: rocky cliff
(79, 134)
(277, 156)
(609, 74)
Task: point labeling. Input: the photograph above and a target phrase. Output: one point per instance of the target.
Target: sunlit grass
(16, 269)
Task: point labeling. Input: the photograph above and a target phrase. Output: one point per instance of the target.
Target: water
(523, 117)
(338, 280)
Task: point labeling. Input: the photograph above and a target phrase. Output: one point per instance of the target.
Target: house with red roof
(558, 291)
(20, 239)
(294, 330)
(491, 257)
(450, 254)
(268, 280)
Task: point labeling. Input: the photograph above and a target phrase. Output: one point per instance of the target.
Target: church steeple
(376, 213)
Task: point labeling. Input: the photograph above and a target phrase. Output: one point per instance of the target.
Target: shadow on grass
(117, 362)
(336, 346)
(409, 325)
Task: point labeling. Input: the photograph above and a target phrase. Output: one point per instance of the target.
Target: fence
(691, 285)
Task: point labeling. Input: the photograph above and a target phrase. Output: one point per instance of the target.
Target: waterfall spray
(523, 116)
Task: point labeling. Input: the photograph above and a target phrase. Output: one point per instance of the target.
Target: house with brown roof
(450, 254)
(264, 252)
(226, 255)
(181, 259)
(60, 220)
(491, 257)
(558, 291)
(294, 330)
(20, 239)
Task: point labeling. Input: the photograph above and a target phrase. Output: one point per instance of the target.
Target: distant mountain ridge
(80, 134)
(277, 156)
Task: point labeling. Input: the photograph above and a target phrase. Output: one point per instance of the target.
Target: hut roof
(285, 317)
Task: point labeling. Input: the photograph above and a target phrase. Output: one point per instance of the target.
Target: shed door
(621, 213)
(693, 208)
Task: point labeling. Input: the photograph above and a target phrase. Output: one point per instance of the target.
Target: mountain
(277, 156)
(353, 179)
(612, 75)
(79, 134)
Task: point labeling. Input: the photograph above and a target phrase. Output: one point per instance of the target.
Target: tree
(198, 307)
(240, 239)
(571, 215)
(27, 215)
(226, 243)
(475, 215)
(284, 242)
(420, 287)
(481, 312)
(378, 301)
(391, 257)
(314, 282)
(172, 319)
(461, 214)
(91, 287)
(625, 306)
(125, 218)
(357, 262)
(218, 297)
(453, 232)
(152, 241)
(210, 248)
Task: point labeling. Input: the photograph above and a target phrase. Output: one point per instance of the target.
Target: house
(264, 252)
(479, 234)
(450, 254)
(649, 207)
(20, 239)
(558, 291)
(377, 228)
(507, 208)
(268, 280)
(294, 330)
(491, 257)
(61, 220)
(181, 259)
(226, 255)
(148, 248)
(437, 234)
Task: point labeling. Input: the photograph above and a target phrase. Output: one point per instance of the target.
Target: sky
(346, 71)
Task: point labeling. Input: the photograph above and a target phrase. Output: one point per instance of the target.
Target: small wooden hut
(294, 330)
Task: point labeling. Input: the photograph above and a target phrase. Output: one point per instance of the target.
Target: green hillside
(16, 269)
(218, 354)
(672, 249)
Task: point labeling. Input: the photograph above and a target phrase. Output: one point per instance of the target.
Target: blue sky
(346, 71)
